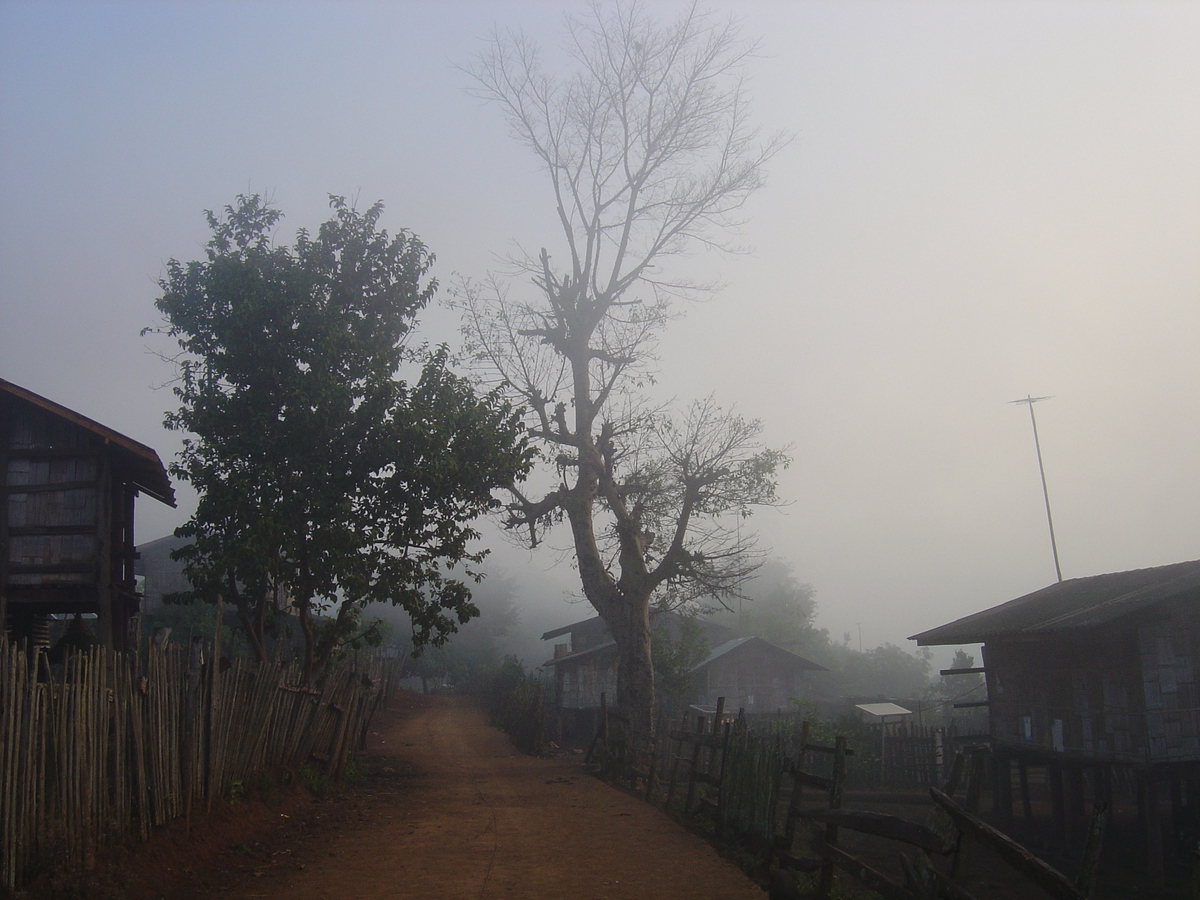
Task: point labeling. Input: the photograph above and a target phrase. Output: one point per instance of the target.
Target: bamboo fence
(110, 744)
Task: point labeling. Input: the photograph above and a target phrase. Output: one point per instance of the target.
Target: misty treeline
(777, 606)
(780, 608)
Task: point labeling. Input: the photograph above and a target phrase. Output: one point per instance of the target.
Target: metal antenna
(1042, 470)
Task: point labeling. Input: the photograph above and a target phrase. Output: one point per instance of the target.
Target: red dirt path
(451, 810)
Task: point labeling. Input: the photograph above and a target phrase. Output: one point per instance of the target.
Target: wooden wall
(1168, 652)
(56, 497)
(66, 521)
(1121, 693)
(582, 682)
(755, 682)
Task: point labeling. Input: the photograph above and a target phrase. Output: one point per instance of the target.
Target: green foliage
(675, 656)
(355, 771)
(327, 480)
(956, 687)
(517, 704)
(186, 619)
(467, 661)
(316, 781)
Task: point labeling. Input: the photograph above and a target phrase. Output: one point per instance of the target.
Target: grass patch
(317, 782)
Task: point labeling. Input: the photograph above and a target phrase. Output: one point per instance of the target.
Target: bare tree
(650, 153)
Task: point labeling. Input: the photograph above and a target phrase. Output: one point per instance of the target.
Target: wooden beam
(58, 453)
(34, 530)
(883, 825)
(874, 880)
(75, 568)
(1045, 876)
(47, 487)
(972, 670)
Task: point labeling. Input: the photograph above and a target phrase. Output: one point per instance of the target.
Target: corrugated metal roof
(586, 625)
(879, 710)
(580, 654)
(1073, 604)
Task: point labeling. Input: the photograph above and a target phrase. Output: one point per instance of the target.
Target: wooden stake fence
(738, 774)
(109, 742)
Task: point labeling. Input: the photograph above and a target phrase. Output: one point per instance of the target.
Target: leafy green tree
(648, 152)
(325, 479)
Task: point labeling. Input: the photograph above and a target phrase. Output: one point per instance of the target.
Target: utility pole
(1045, 493)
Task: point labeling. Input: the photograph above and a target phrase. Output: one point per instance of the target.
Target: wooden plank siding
(1116, 693)
(753, 682)
(67, 492)
(585, 680)
(55, 499)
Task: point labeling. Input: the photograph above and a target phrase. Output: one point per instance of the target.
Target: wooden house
(1094, 674)
(585, 666)
(66, 514)
(751, 674)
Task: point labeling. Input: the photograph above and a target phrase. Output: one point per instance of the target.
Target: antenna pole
(1041, 469)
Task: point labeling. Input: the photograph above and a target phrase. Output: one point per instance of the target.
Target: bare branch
(650, 151)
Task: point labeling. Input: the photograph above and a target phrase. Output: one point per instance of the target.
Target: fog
(981, 201)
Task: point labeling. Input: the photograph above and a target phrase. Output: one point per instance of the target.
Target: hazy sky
(982, 201)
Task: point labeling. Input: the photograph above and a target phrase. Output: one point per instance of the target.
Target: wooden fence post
(974, 787)
(696, 748)
(675, 764)
(835, 802)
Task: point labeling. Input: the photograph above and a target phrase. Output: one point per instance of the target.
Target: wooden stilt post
(1058, 806)
(1074, 808)
(975, 776)
(1026, 802)
(835, 802)
(1152, 827)
(1002, 788)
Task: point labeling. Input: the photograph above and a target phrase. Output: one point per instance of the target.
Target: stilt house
(1094, 674)
(66, 515)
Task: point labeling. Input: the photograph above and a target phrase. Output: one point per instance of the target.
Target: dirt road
(453, 811)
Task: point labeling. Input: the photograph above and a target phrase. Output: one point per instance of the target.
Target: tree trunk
(250, 614)
(630, 627)
(306, 629)
(252, 625)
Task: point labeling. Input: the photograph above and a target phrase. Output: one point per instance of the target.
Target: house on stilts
(66, 516)
(1093, 680)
